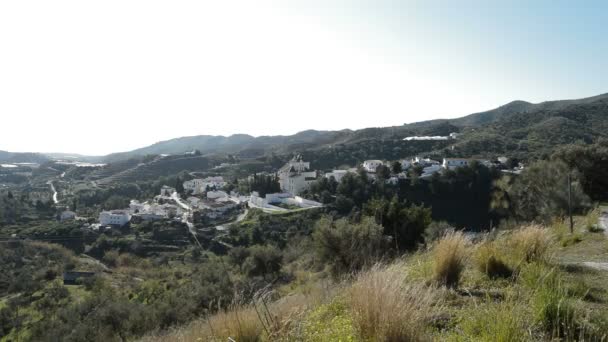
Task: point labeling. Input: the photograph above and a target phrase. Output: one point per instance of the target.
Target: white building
(425, 161)
(295, 176)
(406, 164)
(114, 217)
(337, 174)
(371, 165)
(166, 191)
(452, 163)
(199, 185)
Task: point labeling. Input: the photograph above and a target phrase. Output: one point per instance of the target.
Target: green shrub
(347, 246)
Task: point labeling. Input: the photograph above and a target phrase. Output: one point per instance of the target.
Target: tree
(406, 224)
(396, 167)
(540, 192)
(592, 163)
(383, 172)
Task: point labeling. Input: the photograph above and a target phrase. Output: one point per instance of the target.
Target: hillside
(16, 157)
(519, 127)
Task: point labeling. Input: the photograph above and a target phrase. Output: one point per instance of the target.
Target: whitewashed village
(205, 200)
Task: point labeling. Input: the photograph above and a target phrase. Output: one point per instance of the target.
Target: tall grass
(490, 262)
(495, 322)
(530, 243)
(449, 256)
(385, 307)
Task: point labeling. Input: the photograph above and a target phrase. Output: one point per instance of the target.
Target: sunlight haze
(101, 77)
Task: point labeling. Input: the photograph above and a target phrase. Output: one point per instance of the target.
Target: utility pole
(570, 202)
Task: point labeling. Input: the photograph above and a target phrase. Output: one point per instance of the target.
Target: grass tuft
(489, 261)
(530, 243)
(449, 255)
(386, 307)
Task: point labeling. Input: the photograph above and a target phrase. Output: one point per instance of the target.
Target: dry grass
(450, 256)
(386, 307)
(259, 320)
(530, 243)
(489, 261)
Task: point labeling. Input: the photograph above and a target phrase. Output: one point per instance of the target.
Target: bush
(450, 254)
(385, 307)
(263, 260)
(530, 243)
(489, 262)
(346, 246)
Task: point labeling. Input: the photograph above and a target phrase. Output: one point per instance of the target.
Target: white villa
(114, 217)
(296, 176)
(371, 165)
(199, 185)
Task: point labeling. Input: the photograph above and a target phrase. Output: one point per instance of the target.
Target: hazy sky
(95, 77)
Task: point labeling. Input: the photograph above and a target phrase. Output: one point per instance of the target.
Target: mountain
(22, 157)
(493, 115)
(520, 128)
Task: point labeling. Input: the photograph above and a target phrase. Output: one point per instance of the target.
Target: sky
(95, 77)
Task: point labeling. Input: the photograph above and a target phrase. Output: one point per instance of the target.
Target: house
(74, 277)
(425, 161)
(452, 163)
(67, 215)
(406, 164)
(371, 165)
(295, 176)
(454, 135)
(200, 185)
(166, 191)
(337, 174)
(114, 217)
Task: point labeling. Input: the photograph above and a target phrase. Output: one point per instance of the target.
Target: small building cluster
(201, 185)
(296, 176)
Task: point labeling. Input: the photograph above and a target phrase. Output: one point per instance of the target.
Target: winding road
(55, 200)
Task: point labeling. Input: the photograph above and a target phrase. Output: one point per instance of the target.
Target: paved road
(54, 191)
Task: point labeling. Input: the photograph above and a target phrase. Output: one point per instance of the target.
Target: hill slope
(518, 126)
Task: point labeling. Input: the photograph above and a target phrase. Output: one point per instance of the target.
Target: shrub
(450, 254)
(530, 243)
(488, 261)
(346, 246)
(385, 307)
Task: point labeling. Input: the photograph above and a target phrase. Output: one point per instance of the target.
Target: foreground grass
(522, 285)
